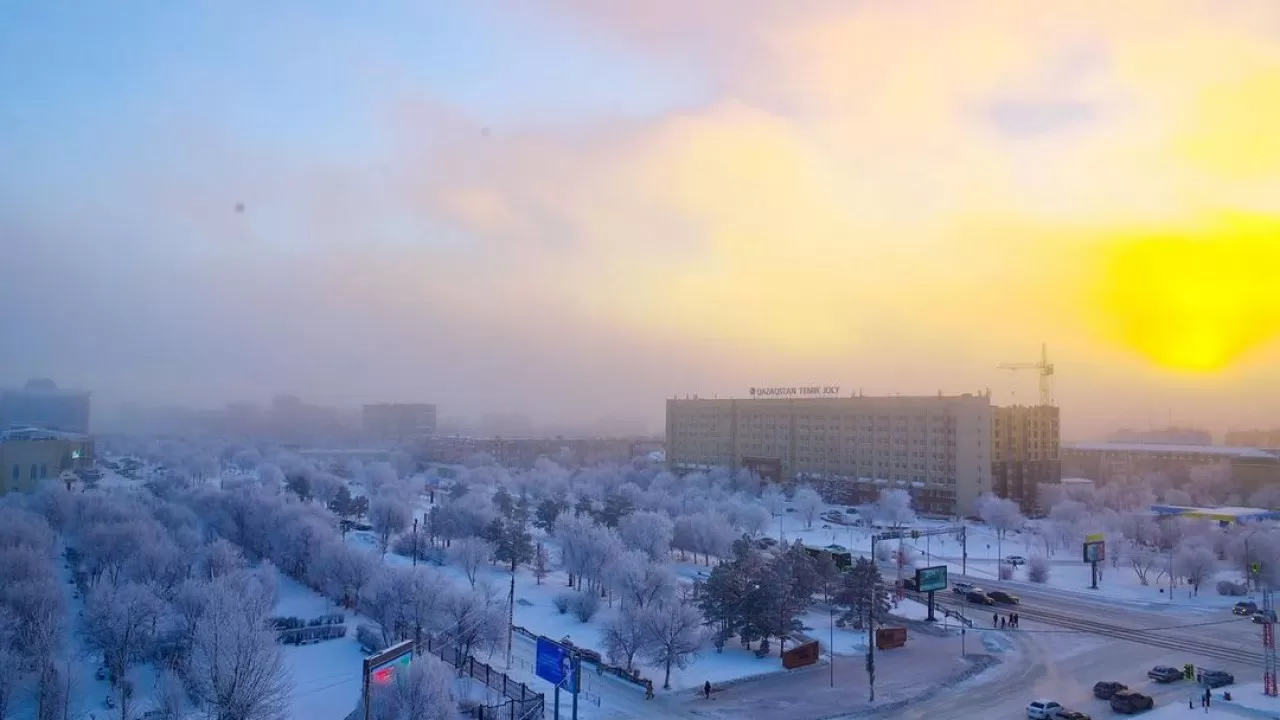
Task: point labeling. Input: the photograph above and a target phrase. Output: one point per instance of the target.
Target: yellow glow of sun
(1195, 302)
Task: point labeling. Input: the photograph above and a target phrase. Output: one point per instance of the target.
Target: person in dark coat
(706, 689)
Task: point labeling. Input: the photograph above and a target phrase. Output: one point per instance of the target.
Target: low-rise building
(31, 456)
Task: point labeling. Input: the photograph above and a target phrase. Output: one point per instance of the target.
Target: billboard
(556, 664)
(382, 668)
(931, 579)
(1095, 551)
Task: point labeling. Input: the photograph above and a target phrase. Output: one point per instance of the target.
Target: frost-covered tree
(469, 554)
(601, 548)
(639, 582)
(379, 475)
(541, 562)
(324, 487)
(713, 535)
(236, 668)
(861, 593)
(473, 621)
(1038, 569)
(786, 592)
(674, 636)
(773, 499)
(894, 508)
(511, 540)
(121, 622)
(1196, 563)
(219, 558)
(1145, 560)
(389, 516)
(649, 532)
(421, 691)
(626, 636)
(808, 503)
(1002, 515)
(11, 661)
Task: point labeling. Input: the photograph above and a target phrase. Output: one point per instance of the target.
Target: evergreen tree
(861, 590)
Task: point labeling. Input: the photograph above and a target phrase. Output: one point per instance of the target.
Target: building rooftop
(33, 433)
(1170, 448)
(1218, 512)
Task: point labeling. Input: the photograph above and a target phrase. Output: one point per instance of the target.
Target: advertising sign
(796, 391)
(931, 579)
(555, 664)
(381, 669)
(1095, 552)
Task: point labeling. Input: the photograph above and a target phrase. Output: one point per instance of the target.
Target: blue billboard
(556, 664)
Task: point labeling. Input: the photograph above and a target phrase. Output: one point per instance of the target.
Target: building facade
(399, 422)
(1251, 468)
(29, 457)
(42, 404)
(1025, 447)
(936, 448)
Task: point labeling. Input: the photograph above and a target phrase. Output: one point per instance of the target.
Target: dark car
(1003, 597)
(1129, 702)
(978, 597)
(1262, 618)
(910, 584)
(1244, 608)
(1164, 674)
(1215, 678)
(1104, 689)
(1071, 715)
(1015, 560)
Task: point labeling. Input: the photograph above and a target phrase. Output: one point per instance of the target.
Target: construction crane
(1046, 373)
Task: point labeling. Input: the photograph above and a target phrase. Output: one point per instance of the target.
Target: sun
(1196, 301)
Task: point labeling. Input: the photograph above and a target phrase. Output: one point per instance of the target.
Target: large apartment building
(939, 448)
(1025, 452)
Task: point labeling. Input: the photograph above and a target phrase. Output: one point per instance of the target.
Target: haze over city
(576, 209)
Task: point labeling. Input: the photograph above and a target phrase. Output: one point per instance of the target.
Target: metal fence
(522, 703)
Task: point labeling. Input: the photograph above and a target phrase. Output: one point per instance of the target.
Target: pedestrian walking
(706, 689)
(648, 689)
(1015, 619)
(1003, 622)
(1208, 699)
(995, 620)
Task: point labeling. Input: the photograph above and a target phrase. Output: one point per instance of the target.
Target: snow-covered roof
(1170, 449)
(1215, 513)
(33, 433)
(1076, 481)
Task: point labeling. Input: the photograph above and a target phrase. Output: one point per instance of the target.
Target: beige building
(30, 457)
(939, 448)
(1025, 447)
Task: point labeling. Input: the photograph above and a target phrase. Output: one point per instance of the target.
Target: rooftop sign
(807, 391)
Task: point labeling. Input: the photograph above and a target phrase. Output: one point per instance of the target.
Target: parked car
(910, 584)
(962, 588)
(1071, 715)
(1003, 597)
(1244, 608)
(1043, 709)
(1164, 674)
(1263, 618)
(1215, 678)
(1104, 689)
(1129, 702)
(1015, 560)
(977, 597)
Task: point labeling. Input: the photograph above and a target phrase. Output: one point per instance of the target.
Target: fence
(522, 702)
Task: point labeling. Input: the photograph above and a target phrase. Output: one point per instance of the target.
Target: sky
(577, 208)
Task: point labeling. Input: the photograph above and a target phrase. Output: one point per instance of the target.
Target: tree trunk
(666, 683)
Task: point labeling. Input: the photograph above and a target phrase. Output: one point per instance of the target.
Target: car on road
(1262, 617)
(1244, 608)
(1003, 598)
(1043, 709)
(962, 588)
(1104, 689)
(1015, 560)
(1128, 702)
(910, 584)
(1215, 678)
(1071, 715)
(1164, 674)
(978, 597)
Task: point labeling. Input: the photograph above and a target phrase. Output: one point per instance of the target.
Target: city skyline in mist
(575, 210)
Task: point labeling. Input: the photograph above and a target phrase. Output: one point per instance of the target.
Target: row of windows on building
(35, 473)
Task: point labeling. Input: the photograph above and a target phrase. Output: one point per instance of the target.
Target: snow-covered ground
(1250, 699)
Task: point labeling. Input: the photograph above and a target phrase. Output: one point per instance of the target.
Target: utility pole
(415, 542)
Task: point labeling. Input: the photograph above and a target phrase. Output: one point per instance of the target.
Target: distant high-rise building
(1254, 438)
(399, 421)
(1025, 445)
(938, 449)
(42, 404)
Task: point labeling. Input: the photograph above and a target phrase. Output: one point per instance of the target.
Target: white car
(1043, 709)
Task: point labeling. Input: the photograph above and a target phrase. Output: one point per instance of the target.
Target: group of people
(1004, 622)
